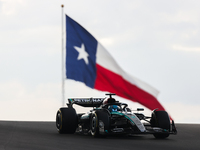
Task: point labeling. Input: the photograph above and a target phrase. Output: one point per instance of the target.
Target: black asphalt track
(44, 136)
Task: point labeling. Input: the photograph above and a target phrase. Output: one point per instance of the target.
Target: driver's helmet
(113, 108)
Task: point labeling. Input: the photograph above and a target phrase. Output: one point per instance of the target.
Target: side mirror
(140, 109)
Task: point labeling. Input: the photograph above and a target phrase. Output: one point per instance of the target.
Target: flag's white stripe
(104, 59)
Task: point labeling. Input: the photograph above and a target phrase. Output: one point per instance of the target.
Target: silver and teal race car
(110, 117)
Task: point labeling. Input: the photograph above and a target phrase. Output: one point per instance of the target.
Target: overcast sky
(155, 41)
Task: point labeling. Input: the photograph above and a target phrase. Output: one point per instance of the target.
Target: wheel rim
(94, 124)
(58, 120)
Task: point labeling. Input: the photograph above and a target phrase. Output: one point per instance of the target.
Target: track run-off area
(44, 136)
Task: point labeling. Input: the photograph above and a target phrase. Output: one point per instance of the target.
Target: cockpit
(113, 108)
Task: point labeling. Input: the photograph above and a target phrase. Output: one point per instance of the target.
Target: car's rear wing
(86, 102)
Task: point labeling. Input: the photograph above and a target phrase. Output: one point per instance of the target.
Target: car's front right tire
(94, 125)
(101, 116)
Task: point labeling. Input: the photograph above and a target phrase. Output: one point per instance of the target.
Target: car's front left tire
(161, 120)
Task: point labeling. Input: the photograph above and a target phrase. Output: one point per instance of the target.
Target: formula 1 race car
(109, 117)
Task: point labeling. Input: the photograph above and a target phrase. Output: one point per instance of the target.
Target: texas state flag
(89, 62)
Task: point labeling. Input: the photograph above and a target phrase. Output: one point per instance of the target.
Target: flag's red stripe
(114, 83)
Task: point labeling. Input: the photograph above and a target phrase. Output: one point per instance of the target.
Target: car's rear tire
(66, 120)
(160, 119)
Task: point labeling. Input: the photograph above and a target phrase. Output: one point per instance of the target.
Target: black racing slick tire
(161, 119)
(99, 116)
(94, 125)
(66, 120)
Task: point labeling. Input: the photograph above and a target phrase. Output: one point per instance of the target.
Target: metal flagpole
(63, 66)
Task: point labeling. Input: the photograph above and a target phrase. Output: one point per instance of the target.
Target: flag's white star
(82, 53)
